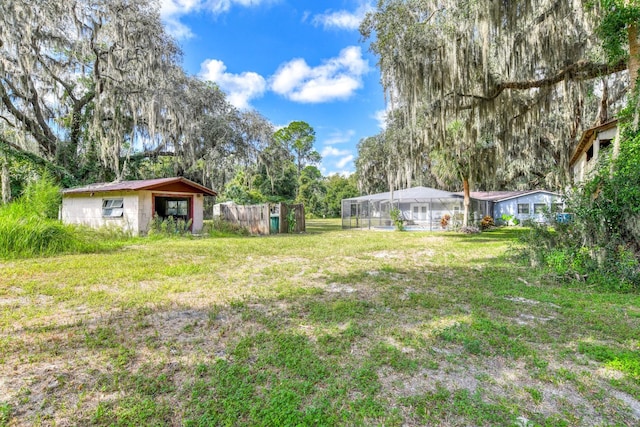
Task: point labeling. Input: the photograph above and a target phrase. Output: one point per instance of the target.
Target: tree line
(93, 91)
(494, 95)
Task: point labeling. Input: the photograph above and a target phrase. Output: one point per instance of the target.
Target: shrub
(509, 219)
(444, 221)
(397, 218)
(601, 244)
(487, 222)
(169, 226)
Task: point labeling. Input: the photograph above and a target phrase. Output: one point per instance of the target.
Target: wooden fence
(298, 216)
(254, 218)
(257, 218)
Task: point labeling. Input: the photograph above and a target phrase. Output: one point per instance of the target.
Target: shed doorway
(177, 207)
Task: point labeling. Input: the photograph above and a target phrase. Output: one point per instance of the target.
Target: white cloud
(172, 10)
(240, 88)
(340, 137)
(343, 19)
(381, 117)
(337, 78)
(333, 152)
(344, 161)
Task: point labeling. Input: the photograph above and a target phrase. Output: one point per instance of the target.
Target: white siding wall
(87, 210)
(145, 214)
(198, 213)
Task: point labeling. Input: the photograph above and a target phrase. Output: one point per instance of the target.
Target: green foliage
(618, 15)
(5, 414)
(338, 188)
(221, 228)
(601, 245)
(29, 225)
(291, 220)
(241, 192)
(299, 137)
(625, 361)
(397, 218)
(311, 191)
(169, 226)
(509, 219)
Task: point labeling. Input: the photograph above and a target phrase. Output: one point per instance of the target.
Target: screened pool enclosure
(422, 208)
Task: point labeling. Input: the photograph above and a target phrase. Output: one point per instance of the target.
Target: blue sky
(289, 60)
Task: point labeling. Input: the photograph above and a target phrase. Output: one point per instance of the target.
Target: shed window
(112, 208)
(176, 208)
(523, 208)
(539, 208)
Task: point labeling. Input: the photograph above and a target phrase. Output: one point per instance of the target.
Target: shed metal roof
(137, 185)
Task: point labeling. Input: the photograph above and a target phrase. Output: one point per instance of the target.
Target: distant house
(130, 205)
(424, 208)
(523, 205)
(593, 145)
(421, 207)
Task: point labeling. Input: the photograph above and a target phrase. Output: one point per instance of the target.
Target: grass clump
(220, 228)
(29, 225)
(5, 414)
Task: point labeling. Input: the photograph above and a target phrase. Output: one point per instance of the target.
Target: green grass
(333, 327)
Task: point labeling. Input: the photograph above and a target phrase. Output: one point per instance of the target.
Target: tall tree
(517, 73)
(81, 72)
(339, 188)
(299, 137)
(456, 160)
(312, 191)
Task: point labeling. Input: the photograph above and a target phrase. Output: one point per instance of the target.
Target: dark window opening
(177, 207)
(590, 153)
(605, 144)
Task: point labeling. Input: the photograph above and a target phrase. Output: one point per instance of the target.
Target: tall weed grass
(29, 226)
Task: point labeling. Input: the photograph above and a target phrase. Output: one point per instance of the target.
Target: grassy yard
(332, 327)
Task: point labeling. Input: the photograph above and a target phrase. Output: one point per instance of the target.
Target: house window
(112, 208)
(590, 153)
(523, 208)
(539, 208)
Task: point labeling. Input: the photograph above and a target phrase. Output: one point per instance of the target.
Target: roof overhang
(588, 136)
(175, 184)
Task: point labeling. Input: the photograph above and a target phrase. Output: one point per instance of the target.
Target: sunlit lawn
(331, 327)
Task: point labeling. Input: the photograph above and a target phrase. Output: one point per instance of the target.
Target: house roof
(414, 193)
(587, 138)
(499, 196)
(166, 184)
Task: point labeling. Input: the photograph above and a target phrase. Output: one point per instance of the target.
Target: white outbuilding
(130, 205)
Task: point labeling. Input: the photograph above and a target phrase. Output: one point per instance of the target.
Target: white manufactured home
(131, 205)
(534, 205)
(426, 208)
